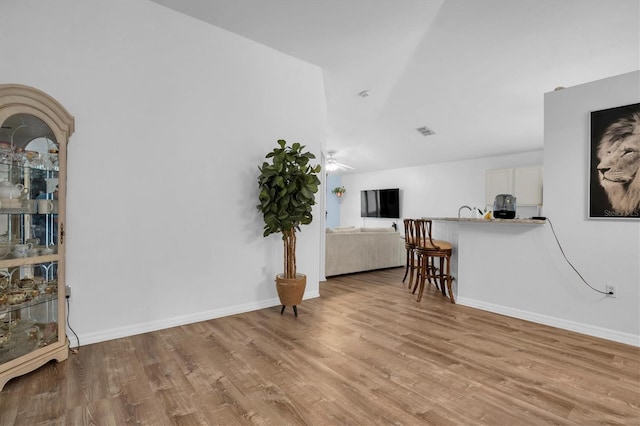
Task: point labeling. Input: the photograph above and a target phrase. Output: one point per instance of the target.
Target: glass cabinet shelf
(38, 299)
(19, 337)
(29, 303)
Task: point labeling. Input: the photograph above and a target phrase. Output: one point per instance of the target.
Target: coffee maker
(504, 206)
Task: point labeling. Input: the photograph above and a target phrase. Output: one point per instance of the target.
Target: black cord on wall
(77, 348)
(570, 264)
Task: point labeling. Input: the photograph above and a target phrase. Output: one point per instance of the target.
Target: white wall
(173, 116)
(434, 190)
(604, 251)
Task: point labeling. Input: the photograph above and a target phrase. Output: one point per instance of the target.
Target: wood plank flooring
(364, 353)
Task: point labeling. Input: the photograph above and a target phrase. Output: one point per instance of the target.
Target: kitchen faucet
(463, 207)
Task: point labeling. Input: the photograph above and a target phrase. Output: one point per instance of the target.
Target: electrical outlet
(67, 291)
(611, 290)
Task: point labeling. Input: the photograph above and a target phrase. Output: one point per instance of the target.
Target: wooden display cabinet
(33, 145)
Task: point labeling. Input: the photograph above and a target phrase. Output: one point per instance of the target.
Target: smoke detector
(425, 131)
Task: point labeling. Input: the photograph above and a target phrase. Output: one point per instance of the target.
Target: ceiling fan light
(332, 165)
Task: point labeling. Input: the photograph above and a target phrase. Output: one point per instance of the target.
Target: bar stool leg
(410, 266)
(418, 272)
(422, 277)
(406, 265)
(449, 280)
(441, 275)
(432, 270)
(413, 269)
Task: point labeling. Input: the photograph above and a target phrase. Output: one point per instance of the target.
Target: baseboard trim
(117, 333)
(587, 329)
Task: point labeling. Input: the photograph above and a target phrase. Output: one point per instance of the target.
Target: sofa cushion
(386, 229)
(345, 229)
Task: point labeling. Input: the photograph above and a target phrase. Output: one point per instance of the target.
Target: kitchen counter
(490, 257)
(480, 220)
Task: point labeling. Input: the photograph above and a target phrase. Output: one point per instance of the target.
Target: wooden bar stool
(413, 257)
(428, 250)
(409, 245)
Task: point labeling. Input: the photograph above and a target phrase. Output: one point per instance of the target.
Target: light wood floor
(363, 353)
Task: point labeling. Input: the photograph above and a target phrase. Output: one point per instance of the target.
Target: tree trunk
(289, 238)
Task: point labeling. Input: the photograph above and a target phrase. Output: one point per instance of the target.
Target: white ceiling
(474, 71)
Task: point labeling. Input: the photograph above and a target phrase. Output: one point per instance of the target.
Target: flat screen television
(380, 203)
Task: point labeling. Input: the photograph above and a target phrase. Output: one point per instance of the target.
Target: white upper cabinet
(499, 181)
(528, 185)
(523, 182)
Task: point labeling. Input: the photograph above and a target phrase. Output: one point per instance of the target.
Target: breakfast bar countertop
(480, 220)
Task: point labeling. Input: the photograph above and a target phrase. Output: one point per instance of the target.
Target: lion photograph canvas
(614, 188)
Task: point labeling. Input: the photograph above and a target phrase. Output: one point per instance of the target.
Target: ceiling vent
(425, 131)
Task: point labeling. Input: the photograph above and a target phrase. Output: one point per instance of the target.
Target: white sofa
(351, 249)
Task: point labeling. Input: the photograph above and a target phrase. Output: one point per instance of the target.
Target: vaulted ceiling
(473, 71)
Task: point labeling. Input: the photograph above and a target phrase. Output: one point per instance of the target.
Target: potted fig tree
(287, 185)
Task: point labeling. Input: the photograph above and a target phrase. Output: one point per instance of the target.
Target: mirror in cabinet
(34, 131)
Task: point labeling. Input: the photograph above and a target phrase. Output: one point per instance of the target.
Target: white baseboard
(587, 329)
(132, 330)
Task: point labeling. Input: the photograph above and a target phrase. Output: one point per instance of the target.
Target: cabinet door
(528, 186)
(498, 181)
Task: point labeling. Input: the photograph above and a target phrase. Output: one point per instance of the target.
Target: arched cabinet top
(23, 101)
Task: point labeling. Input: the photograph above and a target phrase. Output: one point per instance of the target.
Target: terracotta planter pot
(291, 290)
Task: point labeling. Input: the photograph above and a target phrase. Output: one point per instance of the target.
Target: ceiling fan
(333, 165)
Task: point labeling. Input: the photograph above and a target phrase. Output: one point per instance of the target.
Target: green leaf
(306, 192)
